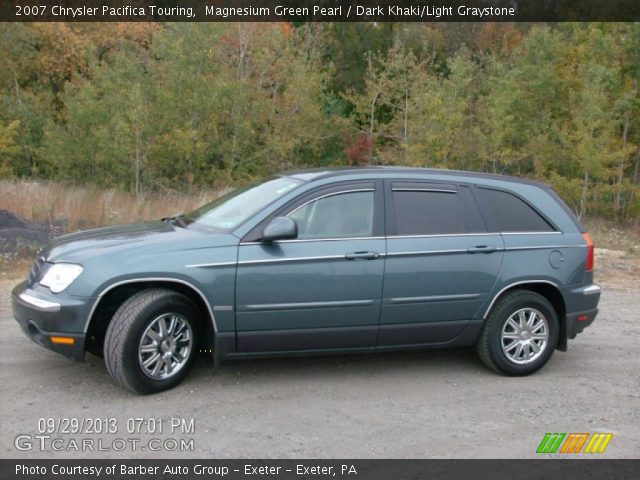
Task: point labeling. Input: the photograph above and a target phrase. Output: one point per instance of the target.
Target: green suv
(331, 261)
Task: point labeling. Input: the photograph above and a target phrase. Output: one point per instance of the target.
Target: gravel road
(398, 405)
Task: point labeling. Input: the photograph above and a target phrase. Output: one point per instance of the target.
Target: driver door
(323, 289)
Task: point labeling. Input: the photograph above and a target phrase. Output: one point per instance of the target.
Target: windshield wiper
(178, 219)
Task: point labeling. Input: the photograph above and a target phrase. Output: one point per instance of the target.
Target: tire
(135, 335)
(496, 346)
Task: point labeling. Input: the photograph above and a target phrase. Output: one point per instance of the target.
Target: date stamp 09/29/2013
(104, 434)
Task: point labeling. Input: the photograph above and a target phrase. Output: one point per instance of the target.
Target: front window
(232, 210)
(348, 214)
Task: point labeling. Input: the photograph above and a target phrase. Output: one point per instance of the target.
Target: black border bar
(320, 10)
(310, 469)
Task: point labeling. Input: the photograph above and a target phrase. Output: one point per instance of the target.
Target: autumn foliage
(153, 108)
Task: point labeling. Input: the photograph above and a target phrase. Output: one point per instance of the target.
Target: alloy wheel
(525, 336)
(165, 346)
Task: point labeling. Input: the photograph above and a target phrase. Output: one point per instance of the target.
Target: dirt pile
(20, 237)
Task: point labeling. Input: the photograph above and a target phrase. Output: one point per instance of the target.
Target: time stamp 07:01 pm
(79, 435)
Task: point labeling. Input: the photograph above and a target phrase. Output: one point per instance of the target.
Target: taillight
(590, 252)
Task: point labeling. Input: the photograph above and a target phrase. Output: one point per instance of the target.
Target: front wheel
(150, 343)
(520, 334)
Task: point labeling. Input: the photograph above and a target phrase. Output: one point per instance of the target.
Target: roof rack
(319, 173)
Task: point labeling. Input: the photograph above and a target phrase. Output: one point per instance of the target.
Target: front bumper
(46, 320)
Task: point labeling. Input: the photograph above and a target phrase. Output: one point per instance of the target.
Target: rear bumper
(577, 322)
(36, 315)
(582, 308)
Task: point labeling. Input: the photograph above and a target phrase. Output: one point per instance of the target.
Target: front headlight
(60, 276)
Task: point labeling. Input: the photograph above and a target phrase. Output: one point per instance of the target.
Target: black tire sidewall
(522, 300)
(171, 303)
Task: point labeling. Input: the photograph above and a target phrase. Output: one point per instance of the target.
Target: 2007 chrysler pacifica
(342, 260)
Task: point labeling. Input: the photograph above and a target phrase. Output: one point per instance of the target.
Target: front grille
(36, 270)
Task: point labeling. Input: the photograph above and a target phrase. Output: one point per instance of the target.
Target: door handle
(362, 255)
(482, 249)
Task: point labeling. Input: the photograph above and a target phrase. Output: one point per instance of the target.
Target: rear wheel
(520, 333)
(150, 344)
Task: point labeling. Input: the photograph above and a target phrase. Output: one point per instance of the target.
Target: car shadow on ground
(384, 363)
(325, 368)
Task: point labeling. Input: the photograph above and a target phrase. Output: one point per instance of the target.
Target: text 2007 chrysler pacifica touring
(344, 260)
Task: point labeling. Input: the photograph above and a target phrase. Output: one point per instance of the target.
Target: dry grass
(617, 269)
(617, 253)
(77, 208)
(14, 271)
(88, 207)
(614, 236)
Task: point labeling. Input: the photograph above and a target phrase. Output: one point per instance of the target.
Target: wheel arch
(548, 290)
(111, 297)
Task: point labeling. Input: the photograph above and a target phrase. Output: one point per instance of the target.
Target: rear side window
(424, 212)
(512, 214)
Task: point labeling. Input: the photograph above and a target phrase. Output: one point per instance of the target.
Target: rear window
(428, 212)
(512, 214)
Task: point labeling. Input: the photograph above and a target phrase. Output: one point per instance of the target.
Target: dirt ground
(439, 404)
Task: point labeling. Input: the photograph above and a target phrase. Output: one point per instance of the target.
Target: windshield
(234, 208)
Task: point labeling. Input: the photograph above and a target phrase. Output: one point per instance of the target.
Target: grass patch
(613, 235)
(80, 208)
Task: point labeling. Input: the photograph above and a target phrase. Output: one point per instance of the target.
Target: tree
(205, 105)
(442, 121)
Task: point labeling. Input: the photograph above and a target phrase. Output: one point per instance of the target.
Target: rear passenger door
(441, 262)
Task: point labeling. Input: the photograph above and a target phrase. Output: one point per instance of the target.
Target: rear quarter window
(512, 214)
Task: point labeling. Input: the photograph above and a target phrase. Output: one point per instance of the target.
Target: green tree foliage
(8, 146)
(179, 106)
(442, 124)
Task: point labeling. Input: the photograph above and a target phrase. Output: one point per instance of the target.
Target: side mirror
(280, 228)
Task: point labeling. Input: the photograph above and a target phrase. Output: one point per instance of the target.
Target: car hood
(160, 236)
